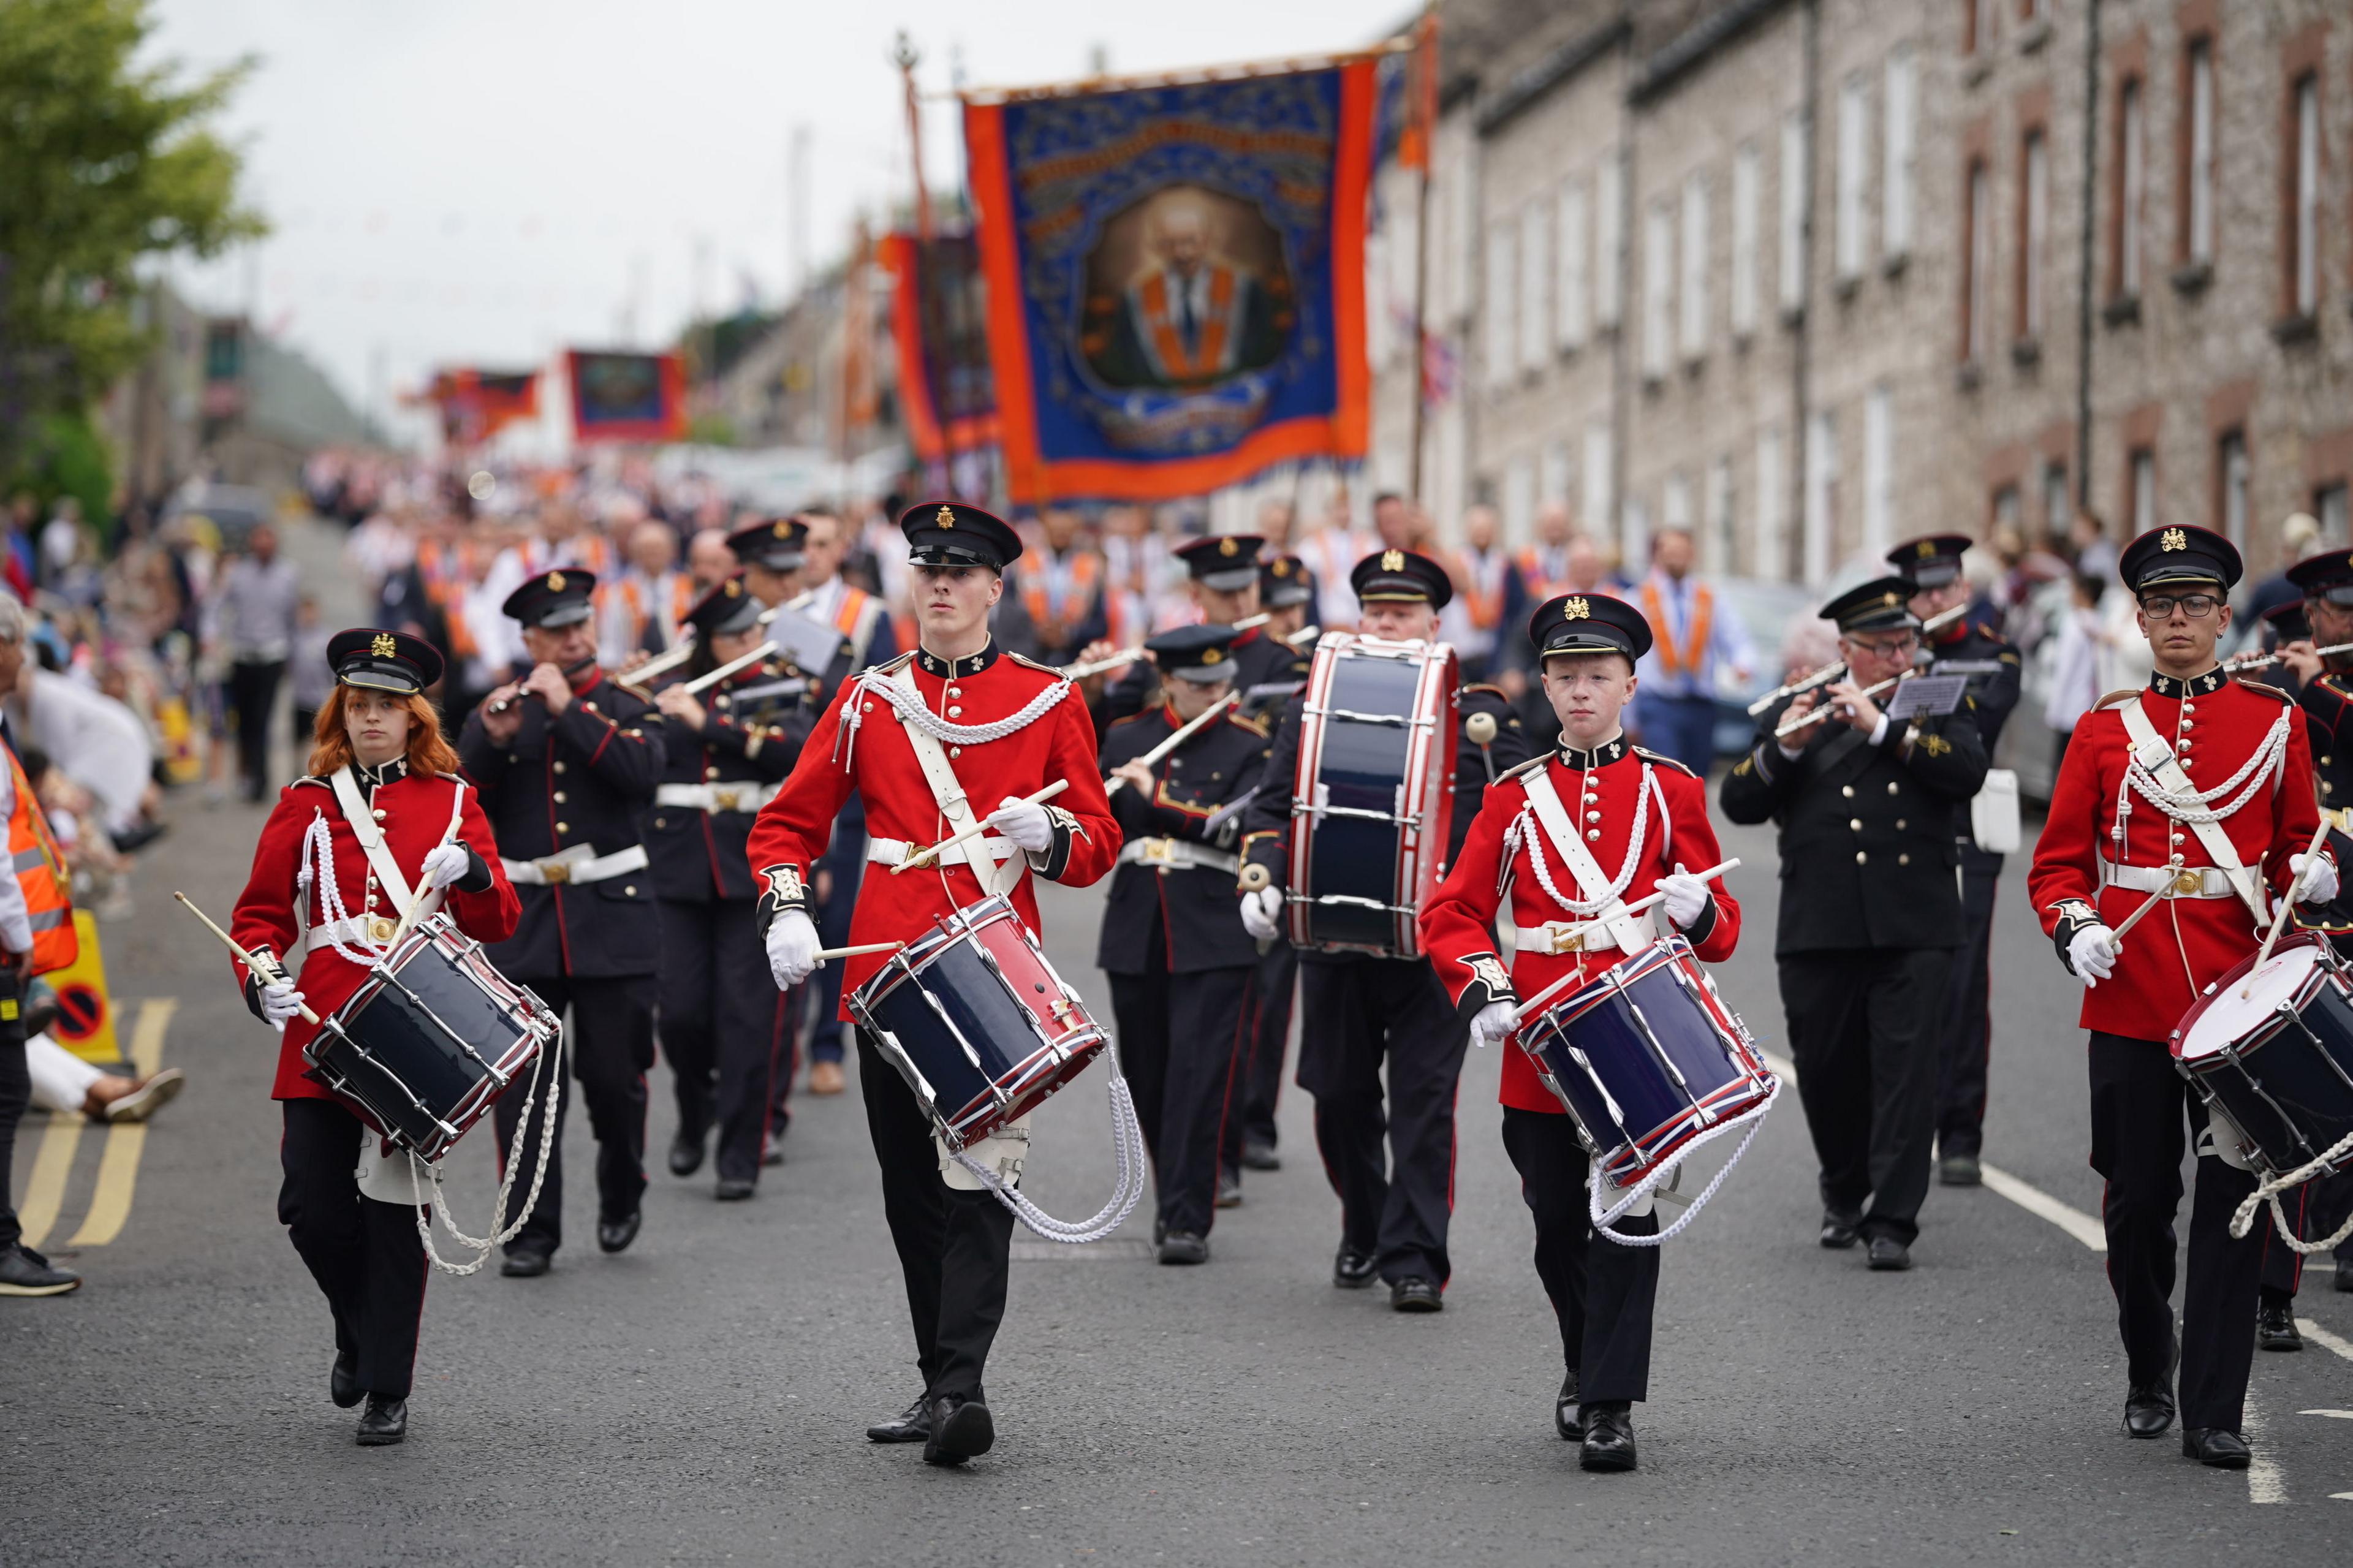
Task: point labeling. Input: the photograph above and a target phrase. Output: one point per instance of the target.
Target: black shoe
(343, 1381)
(2213, 1445)
(2149, 1410)
(685, 1154)
(1184, 1247)
(2344, 1279)
(1568, 1418)
(1838, 1231)
(728, 1191)
(2276, 1326)
(526, 1263)
(1889, 1256)
(912, 1424)
(1229, 1189)
(383, 1421)
(1259, 1156)
(615, 1234)
(25, 1272)
(1352, 1269)
(1608, 1436)
(133, 840)
(1960, 1171)
(1415, 1294)
(772, 1153)
(961, 1430)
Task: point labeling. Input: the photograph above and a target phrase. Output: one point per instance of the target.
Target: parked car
(232, 510)
(1766, 610)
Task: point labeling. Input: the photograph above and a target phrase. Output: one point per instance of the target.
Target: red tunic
(1458, 926)
(876, 761)
(2173, 954)
(415, 814)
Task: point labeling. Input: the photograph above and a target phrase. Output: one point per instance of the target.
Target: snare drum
(1647, 1058)
(976, 1021)
(1373, 797)
(2275, 1067)
(430, 1039)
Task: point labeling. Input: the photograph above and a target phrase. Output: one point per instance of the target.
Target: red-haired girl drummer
(318, 907)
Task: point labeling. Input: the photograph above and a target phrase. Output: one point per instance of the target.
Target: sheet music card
(1926, 694)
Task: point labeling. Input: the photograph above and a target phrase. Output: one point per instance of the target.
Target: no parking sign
(85, 1022)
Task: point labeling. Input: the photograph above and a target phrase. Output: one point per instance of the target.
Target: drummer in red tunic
(2198, 790)
(1601, 1291)
(316, 906)
(1005, 728)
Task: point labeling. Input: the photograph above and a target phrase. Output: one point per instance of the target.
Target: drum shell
(1372, 802)
(1665, 988)
(2283, 1088)
(978, 979)
(431, 1038)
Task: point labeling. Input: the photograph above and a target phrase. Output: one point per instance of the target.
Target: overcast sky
(487, 182)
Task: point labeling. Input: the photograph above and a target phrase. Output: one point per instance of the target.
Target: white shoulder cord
(318, 853)
(911, 709)
(2194, 807)
(1534, 833)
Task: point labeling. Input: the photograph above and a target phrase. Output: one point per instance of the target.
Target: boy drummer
(1601, 1290)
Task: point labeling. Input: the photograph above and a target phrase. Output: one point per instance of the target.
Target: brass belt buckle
(1160, 852)
(725, 799)
(557, 872)
(1567, 939)
(380, 930)
(2189, 882)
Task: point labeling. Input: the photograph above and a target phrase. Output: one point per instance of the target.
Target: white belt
(373, 929)
(1178, 854)
(893, 851)
(745, 796)
(2183, 881)
(1555, 937)
(579, 864)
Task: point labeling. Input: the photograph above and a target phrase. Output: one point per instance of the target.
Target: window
(1553, 475)
(1852, 134)
(1822, 495)
(1716, 539)
(1569, 304)
(2198, 154)
(2330, 506)
(1535, 284)
(1658, 287)
(1878, 471)
(1695, 257)
(2132, 185)
(1793, 213)
(1747, 177)
(2005, 507)
(1610, 242)
(1600, 481)
(1459, 237)
(2231, 476)
(1981, 23)
(1895, 151)
(1976, 264)
(1501, 275)
(2142, 498)
(2304, 198)
(2032, 11)
(1772, 560)
(1675, 509)
(1519, 499)
(2057, 510)
(2034, 223)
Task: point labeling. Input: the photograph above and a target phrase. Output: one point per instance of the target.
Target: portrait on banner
(1187, 287)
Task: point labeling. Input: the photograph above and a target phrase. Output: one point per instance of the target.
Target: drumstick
(926, 857)
(701, 683)
(2279, 921)
(824, 953)
(252, 963)
(2117, 936)
(1636, 907)
(1153, 757)
(417, 909)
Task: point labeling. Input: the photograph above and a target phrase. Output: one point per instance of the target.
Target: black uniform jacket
(1992, 667)
(1259, 662)
(754, 724)
(582, 778)
(1267, 823)
(2327, 704)
(1868, 833)
(1191, 909)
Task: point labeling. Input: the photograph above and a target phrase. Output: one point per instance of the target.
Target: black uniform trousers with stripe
(366, 1255)
(722, 1027)
(1603, 1292)
(609, 1039)
(1180, 1039)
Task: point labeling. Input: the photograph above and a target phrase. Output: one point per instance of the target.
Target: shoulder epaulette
(2272, 692)
(2115, 698)
(1131, 718)
(893, 665)
(1529, 767)
(1494, 692)
(321, 779)
(1241, 722)
(1665, 761)
(1984, 631)
(1023, 658)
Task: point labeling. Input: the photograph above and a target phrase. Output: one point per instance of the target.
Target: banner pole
(1426, 121)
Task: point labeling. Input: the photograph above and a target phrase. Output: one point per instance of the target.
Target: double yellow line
(118, 1166)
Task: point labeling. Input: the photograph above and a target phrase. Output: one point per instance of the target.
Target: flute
(1802, 720)
(1832, 670)
(1153, 757)
(703, 683)
(1129, 656)
(2263, 660)
(670, 659)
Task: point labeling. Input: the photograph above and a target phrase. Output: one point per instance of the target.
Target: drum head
(2223, 1017)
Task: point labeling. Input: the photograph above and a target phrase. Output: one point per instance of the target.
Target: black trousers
(722, 1026)
(366, 1255)
(16, 1093)
(1180, 1037)
(1863, 1027)
(1269, 1038)
(1358, 1018)
(2141, 1111)
(610, 1040)
(954, 1246)
(2283, 1266)
(1966, 1035)
(1602, 1292)
(253, 691)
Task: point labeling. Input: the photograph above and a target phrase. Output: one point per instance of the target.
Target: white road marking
(2084, 1227)
(2333, 1414)
(2321, 1336)
(2265, 1481)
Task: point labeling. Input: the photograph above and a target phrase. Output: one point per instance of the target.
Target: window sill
(2026, 352)
(2192, 276)
(1793, 316)
(1977, 69)
(1695, 365)
(2033, 36)
(1845, 286)
(2122, 311)
(2296, 331)
(1654, 381)
(1968, 376)
(1895, 266)
(1742, 337)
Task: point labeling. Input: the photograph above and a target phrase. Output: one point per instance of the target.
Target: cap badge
(733, 588)
(1889, 599)
(1392, 560)
(946, 518)
(1226, 546)
(1280, 568)
(1576, 609)
(782, 528)
(382, 646)
(1213, 656)
(2173, 539)
(556, 581)
(1927, 549)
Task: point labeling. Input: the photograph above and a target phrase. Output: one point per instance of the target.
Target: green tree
(102, 161)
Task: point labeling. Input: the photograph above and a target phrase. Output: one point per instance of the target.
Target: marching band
(792, 813)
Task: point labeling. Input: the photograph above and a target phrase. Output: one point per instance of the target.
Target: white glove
(2093, 952)
(1686, 896)
(1262, 914)
(792, 948)
(2321, 886)
(1025, 822)
(445, 863)
(1494, 1024)
(280, 1003)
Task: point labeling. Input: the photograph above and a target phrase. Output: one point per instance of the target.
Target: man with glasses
(2194, 791)
(1869, 806)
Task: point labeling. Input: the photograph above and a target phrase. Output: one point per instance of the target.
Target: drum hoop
(2298, 999)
